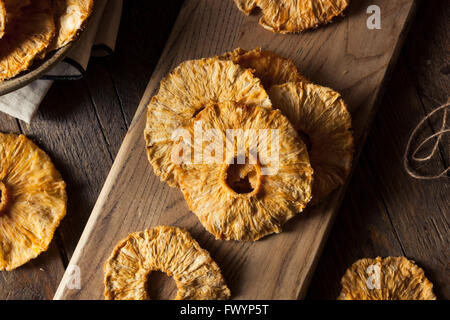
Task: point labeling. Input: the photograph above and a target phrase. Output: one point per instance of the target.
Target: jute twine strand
(436, 136)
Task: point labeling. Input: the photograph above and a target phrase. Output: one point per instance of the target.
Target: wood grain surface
(366, 225)
(280, 266)
(386, 212)
(69, 126)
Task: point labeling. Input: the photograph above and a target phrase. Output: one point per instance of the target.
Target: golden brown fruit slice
(183, 93)
(391, 278)
(271, 68)
(70, 18)
(33, 201)
(320, 116)
(167, 249)
(253, 199)
(286, 16)
(32, 31)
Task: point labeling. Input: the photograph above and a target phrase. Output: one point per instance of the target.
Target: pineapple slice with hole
(391, 278)
(185, 92)
(243, 194)
(167, 249)
(33, 201)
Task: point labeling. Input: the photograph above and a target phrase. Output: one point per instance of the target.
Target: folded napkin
(99, 39)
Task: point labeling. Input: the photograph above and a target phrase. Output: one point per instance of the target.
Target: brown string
(437, 136)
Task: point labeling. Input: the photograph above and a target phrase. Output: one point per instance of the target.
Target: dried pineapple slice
(391, 278)
(32, 31)
(33, 201)
(271, 68)
(286, 16)
(183, 93)
(322, 120)
(167, 249)
(70, 18)
(237, 201)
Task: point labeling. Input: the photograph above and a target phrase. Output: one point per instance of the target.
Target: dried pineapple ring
(286, 16)
(238, 202)
(2, 19)
(34, 202)
(33, 31)
(167, 249)
(391, 278)
(70, 17)
(268, 66)
(183, 93)
(322, 120)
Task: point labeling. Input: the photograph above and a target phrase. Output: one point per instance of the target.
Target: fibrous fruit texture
(258, 183)
(70, 18)
(186, 91)
(167, 249)
(31, 29)
(320, 116)
(392, 278)
(286, 16)
(33, 200)
(29, 35)
(271, 68)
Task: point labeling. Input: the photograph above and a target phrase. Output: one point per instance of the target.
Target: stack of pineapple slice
(247, 91)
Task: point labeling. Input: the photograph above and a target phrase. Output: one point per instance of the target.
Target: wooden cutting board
(344, 55)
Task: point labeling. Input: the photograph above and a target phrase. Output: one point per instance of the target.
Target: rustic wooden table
(81, 125)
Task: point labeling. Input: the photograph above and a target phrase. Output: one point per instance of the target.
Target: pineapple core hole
(242, 178)
(160, 286)
(305, 138)
(198, 111)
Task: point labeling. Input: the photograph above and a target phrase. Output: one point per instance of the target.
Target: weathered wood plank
(428, 60)
(417, 210)
(107, 107)
(36, 280)
(394, 212)
(144, 30)
(429, 72)
(133, 198)
(67, 127)
(362, 229)
(118, 82)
